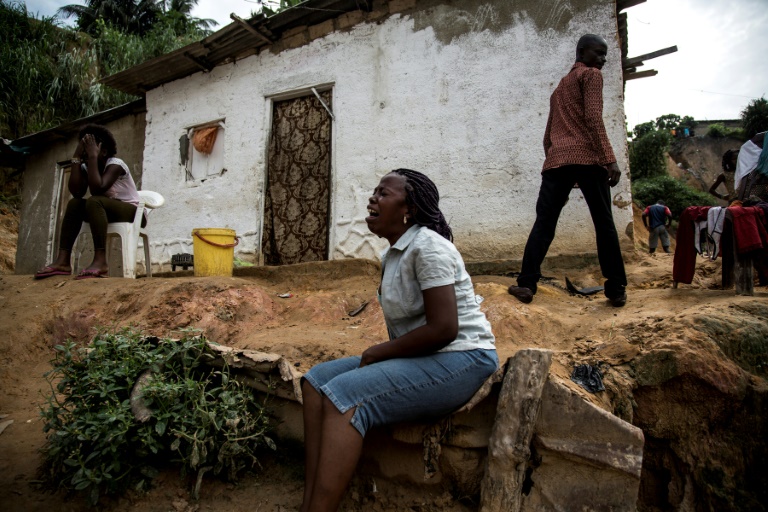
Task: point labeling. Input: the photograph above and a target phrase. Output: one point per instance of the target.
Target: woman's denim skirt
(402, 389)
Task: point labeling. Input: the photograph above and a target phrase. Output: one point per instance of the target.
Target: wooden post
(728, 250)
(737, 268)
(744, 273)
(510, 441)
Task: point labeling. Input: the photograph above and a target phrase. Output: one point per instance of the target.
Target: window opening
(202, 151)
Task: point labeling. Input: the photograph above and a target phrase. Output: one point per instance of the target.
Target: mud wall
(457, 90)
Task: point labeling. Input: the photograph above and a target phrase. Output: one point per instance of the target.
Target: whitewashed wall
(460, 94)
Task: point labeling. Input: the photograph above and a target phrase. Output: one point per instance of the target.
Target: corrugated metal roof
(235, 41)
(29, 143)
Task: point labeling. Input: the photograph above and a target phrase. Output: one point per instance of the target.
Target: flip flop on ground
(51, 271)
(92, 273)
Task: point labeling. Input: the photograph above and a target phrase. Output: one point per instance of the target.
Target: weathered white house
(311, 106)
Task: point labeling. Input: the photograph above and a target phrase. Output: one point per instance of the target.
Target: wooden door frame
(269, 101)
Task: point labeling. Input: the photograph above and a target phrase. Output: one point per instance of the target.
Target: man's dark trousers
(556, 185)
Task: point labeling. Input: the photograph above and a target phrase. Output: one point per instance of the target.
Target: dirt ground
(311, 326)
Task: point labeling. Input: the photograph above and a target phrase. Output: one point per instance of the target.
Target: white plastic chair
(129, 233)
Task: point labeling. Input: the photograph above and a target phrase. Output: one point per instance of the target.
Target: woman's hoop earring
(405, 219)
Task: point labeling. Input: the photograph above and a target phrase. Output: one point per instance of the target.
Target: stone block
(401, 5)
(321, 29)
(394, 460)
(350, 19)
(295, 41)
(472, 429)
(295, 30)
(586, 458)
(463, 468)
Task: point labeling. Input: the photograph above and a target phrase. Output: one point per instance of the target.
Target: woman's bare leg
(62, 261)
(340, 448)
(99, 261)
(313, 409)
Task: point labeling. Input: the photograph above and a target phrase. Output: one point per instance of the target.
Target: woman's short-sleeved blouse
(419, 260)
(124, 188)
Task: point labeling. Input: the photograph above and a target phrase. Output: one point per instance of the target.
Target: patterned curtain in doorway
(298, 182)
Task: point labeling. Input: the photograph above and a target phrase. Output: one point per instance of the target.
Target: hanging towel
(748, 157)
(715, 221)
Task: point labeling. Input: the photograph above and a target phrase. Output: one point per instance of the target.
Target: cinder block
(295, 30)
(401, 5)
(350, 19)
(321, 29)
(295, 41)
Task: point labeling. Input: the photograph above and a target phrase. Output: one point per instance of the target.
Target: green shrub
(676, 194)
(754, 117)
(717, 131)
(200, 417)
(647, 155)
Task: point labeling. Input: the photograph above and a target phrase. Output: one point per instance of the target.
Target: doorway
(298, 184)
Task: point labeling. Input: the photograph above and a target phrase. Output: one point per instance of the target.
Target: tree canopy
(49, 73)
(755, 117)
(136, 16)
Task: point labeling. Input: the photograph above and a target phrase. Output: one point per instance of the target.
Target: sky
(719, 67)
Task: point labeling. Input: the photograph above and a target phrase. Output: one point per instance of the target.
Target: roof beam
(626, 4)
(250, 28)
(639, 60)
(199, 62)
(641, 74)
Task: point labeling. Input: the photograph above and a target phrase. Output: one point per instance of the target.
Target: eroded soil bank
(687, 365)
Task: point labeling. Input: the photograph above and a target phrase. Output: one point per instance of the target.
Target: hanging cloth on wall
(204, 139)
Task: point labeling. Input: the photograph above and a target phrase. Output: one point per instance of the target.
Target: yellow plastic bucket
(214, 250)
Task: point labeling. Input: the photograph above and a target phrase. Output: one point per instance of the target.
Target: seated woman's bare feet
(91, 273)
(53, 270)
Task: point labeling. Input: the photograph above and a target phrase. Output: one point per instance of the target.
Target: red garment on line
(684, 264)
(748, 228)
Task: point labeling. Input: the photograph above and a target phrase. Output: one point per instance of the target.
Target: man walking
(660, 218)
(577, 152)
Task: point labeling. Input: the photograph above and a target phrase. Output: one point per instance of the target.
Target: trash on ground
(358, 309)
(588, 377)
(285, 295)
(591, 290)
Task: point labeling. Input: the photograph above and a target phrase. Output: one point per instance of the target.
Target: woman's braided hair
(422, 197)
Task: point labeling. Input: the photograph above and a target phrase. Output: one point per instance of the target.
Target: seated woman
(114, 198)
(440, 349)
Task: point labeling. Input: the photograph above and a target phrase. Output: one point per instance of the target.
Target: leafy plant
(755, 117)
(643, 129)
(199, 417)
(717, 131)
(647, 155)
(50, 74)
(676, 194)
(668, 121)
